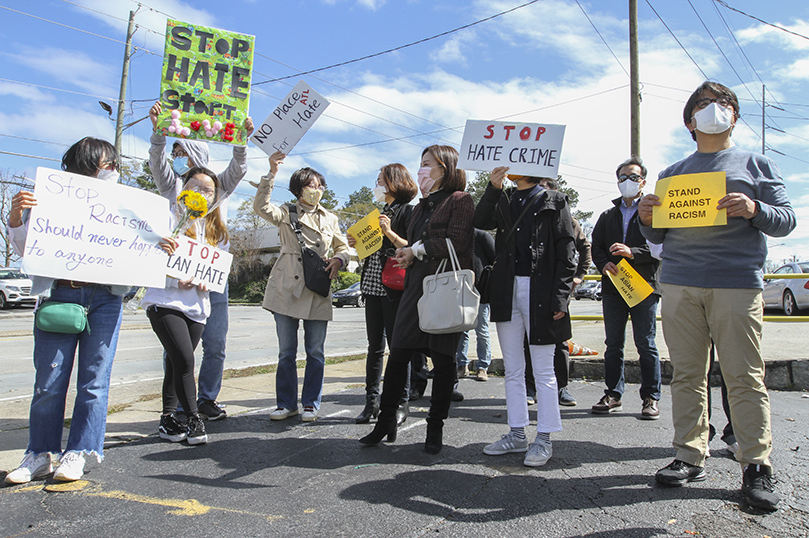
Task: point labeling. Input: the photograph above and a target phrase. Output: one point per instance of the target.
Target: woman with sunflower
(179, 311)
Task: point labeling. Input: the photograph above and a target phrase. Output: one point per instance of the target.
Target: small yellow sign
(368, 234)
(632, 287)
(689, 201)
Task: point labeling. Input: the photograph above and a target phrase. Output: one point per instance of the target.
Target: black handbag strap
(296, 225)
(528, 204)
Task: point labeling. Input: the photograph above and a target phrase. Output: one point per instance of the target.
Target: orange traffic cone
(577, 350)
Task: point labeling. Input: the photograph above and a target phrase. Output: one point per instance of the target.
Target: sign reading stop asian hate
(90, 230)
(205, 83)
(689, 201)
(530, 149)
(290, 120)
(632, 287)
(368, 234)
(203, 263)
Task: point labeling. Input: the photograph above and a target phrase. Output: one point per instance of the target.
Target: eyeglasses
(634, 177)
(179, 152)
(724, 102)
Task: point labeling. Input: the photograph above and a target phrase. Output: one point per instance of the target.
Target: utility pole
(763, 124)
(634, 80)
(119, 121)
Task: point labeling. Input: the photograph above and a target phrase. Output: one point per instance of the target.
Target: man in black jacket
(617, 236)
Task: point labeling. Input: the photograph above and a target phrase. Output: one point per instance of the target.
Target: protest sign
(689, 201)
(530, 149)
(89, 230)
(205, 264)
(368, 234)
(290, 120)
(205, 83)
(632, 287)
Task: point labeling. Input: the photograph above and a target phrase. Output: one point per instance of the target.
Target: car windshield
(804, 267)
(12, 275)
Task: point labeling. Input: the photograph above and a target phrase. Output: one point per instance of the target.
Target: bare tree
(245, 242)
(10, 184)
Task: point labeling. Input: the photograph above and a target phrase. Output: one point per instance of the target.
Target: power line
(112, 16)
(34, 140)
(762, 21)
(442, 34)
(29, 156)
(602, 37)
(677, 40)
(58, 89)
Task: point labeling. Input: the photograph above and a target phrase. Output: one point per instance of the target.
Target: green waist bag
(65, 318)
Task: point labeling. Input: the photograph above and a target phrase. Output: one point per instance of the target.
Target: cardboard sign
(529, 149)
(205, 264)
(689, 201)
(205, 83)
(95, 231)
(632, 287)
(368, 234)
(290, 120)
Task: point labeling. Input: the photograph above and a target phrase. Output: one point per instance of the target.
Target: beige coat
(286, 293)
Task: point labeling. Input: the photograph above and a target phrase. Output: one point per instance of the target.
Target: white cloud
(373, 5)
(452, 50)
(67, 66)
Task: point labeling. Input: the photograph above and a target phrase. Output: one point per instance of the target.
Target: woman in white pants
(529, 287)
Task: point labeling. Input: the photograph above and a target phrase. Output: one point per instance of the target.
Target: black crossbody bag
(315, 276)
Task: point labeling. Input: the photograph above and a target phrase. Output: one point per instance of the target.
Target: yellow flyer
(632, 287)
(368, 234)
(689, 201)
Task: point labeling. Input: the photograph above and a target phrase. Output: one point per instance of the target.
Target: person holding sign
(396, 188)
(529, 292)
(187, 154)
(444, 213)
(287, 296)
(178, 313)
(55, 352)
(712, 280)
(617, 237)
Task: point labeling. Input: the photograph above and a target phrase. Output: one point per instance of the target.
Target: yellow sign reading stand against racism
(368, 234)
(632, 287)
(689, 201)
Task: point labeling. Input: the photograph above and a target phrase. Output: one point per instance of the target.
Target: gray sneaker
(507, 443)
(538, 454)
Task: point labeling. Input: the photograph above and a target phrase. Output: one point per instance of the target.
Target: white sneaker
(538, 454)
(281, 413)
(309, 414)
(33, 466)
(71, 467)
(507, 443)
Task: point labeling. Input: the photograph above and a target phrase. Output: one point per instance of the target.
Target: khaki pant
(733, 319)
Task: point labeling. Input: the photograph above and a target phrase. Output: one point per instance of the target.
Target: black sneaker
(678, 473)
(196, 431)
(172, 429)
(565, 398)
(456, 396)
(758, 485)
(211, 410)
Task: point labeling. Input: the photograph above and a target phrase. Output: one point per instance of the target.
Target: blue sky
(541, 63)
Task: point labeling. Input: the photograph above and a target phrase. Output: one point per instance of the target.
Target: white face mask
(379, 194)
(714, 119)
(629, 189)
(108, 175)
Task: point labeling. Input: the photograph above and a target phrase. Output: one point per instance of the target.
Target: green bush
(344, 279)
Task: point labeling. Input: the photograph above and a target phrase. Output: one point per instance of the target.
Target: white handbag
(450, 302)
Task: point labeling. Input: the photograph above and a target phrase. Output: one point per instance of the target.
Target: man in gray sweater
(711, 280)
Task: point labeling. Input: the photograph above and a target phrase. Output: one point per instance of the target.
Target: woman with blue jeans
(55, 353)
(287, 297)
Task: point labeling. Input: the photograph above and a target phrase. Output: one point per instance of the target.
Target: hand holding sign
(632, 287)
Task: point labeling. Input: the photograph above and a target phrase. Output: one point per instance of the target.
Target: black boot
(402, 412)
(435, 434)
(385, 426)
(371, 409)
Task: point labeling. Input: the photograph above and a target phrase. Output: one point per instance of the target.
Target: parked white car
(788, 294)
(15, 288)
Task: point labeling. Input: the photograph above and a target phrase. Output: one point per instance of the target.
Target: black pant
(380, 316)
(396, 375)
(179, 336)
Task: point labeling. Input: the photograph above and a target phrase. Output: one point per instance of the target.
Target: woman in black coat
(396, 188)
(529, 289)
(445, 212)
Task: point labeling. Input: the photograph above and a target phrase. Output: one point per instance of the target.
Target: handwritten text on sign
(205, 83)
(689, 201)
(290, 120)
(530, 149)
(368, 234)
(632, 287)
(205, 264)
(94, 231)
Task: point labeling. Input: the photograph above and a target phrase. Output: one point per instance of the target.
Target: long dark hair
(447, 157)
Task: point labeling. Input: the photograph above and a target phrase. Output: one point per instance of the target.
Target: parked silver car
(15, 288)
(788, 294)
